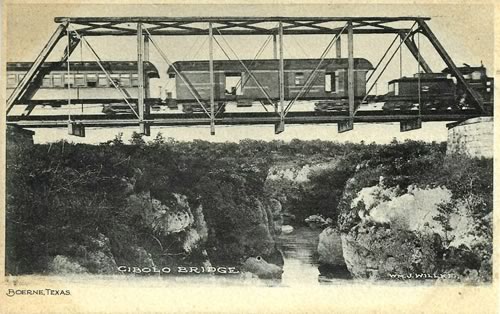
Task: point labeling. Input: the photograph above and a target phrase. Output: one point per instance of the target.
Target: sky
(466, 31)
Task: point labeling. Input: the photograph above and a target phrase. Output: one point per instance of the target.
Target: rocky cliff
(299, 187)
(415, 232)
(92, 209)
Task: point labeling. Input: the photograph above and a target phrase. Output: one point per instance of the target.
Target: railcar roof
(88, 66)
(437, 78)
(269, 64)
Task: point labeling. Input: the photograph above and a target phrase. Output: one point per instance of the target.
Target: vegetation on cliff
(439, 206)
(89, 208)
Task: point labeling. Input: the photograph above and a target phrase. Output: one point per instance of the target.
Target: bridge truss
(76, 29)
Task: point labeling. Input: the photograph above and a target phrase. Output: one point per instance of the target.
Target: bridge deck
(182, 119)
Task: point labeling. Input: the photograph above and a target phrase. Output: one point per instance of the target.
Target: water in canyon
(301, 265)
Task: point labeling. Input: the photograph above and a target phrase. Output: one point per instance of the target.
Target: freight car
(233, 83)
(87, 81)
(438, 91)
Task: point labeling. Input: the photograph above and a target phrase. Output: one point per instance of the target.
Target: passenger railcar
(234, 84)
(86, 80)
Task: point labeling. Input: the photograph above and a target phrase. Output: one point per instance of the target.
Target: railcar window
(20, 77)
(299, 78)
(69, 80)
(476, 75)
(125, 80)
(47, 81)
(91, 80)
(394, 88)
(116, 78)
(80, 80)
(11, 80)
(391, 88)
(337, 85)
(135, 80)
(57, 80)
(103, 80)
(330, 84)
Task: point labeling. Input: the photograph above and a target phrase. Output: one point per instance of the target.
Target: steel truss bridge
(145, 29)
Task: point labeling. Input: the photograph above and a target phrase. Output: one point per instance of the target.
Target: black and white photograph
(324, 148)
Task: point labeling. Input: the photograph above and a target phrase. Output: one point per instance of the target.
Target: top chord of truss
(125, 26)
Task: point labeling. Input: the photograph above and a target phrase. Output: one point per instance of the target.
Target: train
(327, 88)
(438, 91)
(233, 83)
(86, 81)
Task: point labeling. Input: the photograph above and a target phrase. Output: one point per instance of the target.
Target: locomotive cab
(478, 79)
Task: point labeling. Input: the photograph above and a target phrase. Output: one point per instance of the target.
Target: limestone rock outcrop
(330, 247)
(261, 268)
(395, 234)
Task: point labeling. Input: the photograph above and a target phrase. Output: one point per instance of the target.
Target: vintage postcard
(248, 157)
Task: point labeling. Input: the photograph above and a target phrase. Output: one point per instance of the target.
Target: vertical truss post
(415, 52)
(146, 58)
(348, 124)
(410, 124)
(76, 128)
(35, 67)
(451, 65)
(211, 69)
(338, 54)
(338, 48)
(144, 128)
(275, 47)
(400, 57)
(275, 57)
(280, 127)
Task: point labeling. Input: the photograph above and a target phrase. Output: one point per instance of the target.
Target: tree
(137, 139)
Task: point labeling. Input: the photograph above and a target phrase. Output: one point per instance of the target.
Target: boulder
(262, 269)
(381, 253)
(330, 247)
(286, 229)
(62, 265)
(163, 219)
(317, 221)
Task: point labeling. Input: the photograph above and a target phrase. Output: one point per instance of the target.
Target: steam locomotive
(438, 91)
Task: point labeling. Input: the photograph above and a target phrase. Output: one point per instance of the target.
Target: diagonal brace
(410, 44)
(451, 65)
(37, 81)
(35, 67)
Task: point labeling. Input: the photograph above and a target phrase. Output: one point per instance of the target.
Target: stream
(301, 266)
